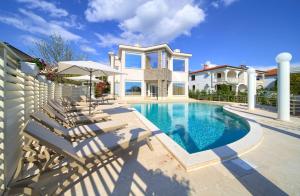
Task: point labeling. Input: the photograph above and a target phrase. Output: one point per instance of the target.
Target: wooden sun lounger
(85, 151)
(59, 108)
(77, 132)
(72, 121)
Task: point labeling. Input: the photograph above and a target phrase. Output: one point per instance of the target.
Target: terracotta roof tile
(271, 72)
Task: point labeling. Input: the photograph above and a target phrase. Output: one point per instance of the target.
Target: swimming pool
(195, 126)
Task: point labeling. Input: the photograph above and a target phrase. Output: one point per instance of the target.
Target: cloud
(70, 22)
(218, 3)
(88, 49)
(45, 6)
(30, 22)
(102, 10)
(215, 4)
(29, 40)
(264, 67)
(146, 22)
(228, 2)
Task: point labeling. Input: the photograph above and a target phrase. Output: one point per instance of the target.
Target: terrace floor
(272, 168)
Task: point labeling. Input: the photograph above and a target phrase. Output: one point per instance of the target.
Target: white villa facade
(209, 78)
(155, 72)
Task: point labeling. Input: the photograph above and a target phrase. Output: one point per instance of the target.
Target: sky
(232, 32)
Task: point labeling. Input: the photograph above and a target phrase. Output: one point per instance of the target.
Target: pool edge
(205, 158)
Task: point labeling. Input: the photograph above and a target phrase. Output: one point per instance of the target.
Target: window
(133, 88)
(193, 77)
(152, 60)
(194, 87)
(178, 88)
(219, 75)
(133, 61)
(178, 65)
(164, 60)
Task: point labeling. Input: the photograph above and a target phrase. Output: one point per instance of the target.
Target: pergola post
(283, 85)
(251, 88)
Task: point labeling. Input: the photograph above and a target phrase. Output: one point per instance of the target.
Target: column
(283, 87)
(212, 75)
(237, 89)
(237, 76)
(251, 88)
(225, 75)
(111, 57)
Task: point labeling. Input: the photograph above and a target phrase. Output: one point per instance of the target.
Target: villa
(211, 77)
(155, 72)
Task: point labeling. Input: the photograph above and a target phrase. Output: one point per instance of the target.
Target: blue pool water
(195, 126)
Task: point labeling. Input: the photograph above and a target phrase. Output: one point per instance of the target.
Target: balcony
(158, 74)
(229, 80)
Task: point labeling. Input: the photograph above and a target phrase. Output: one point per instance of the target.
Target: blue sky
(233, 32)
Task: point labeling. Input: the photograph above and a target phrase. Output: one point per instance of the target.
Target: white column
(237, 75)
(111, 57)
(283, 80)
(251, 88)
(212, 81)
(236, 89)
(225, 75)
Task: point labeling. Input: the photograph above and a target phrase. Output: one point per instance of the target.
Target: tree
(295, 83)
(55, 49)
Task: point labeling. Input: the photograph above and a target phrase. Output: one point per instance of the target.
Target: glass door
(153, 90)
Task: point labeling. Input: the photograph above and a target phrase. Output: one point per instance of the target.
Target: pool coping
(205, 158)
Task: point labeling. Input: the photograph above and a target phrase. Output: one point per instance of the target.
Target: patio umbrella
(83, 79)
(86, 68)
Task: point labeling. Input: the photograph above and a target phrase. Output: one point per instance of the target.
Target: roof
(271, 72)
(22, 55)
(155, 47)
(242, 67)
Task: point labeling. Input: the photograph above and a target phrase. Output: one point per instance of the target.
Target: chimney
(177, 50)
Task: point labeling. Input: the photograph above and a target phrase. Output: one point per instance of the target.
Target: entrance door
(153, 90)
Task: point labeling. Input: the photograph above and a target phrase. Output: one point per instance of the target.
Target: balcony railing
(229, 80)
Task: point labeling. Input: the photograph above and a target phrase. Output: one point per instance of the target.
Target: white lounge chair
(78, 132)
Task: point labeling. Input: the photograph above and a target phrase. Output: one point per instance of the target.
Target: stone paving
(272, 168)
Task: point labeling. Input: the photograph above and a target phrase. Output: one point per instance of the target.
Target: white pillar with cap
(251, 88)
(283, 85)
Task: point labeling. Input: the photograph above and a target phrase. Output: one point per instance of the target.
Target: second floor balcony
(158, 74)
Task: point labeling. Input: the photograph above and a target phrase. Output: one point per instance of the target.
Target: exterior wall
(202, 81)
(180, 77)
(132, 74)
(164, 78)
(269, 81)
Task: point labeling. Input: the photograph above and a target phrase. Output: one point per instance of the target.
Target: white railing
(229, 80)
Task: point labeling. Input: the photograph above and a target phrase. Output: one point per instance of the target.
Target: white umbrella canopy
(86, 68)
(84, 78)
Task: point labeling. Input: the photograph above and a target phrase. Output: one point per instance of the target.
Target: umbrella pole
(90, 107)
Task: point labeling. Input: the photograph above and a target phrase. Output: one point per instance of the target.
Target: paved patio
(272, 168)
